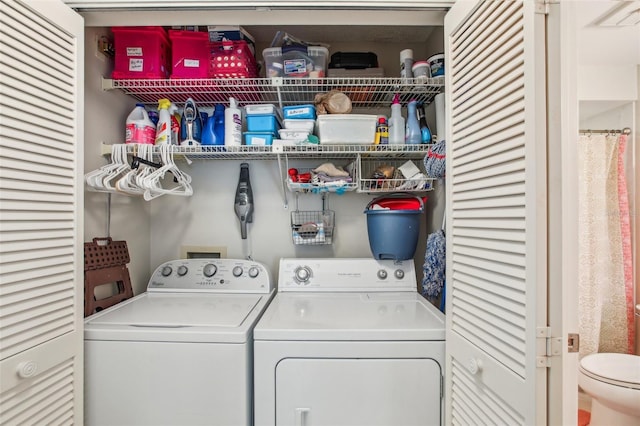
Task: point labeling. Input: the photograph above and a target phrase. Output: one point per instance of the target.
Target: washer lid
(350, 316)
(618, 369)
(178, 317)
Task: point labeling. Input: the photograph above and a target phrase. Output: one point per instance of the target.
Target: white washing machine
(181, 353)
(349, 342)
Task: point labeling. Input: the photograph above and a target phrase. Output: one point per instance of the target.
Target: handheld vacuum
(244, 200)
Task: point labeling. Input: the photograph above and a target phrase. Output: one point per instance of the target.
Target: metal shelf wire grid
(371, 177)
(254, 152)
(363, 92)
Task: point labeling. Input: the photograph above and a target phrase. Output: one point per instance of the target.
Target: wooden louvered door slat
(496, 213)
(41, 264)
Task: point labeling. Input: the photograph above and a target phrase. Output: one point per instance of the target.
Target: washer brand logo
(349, 274)
(157, 284)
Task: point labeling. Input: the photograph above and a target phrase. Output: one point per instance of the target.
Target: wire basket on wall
(312, 227)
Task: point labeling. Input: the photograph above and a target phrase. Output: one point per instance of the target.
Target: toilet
(613, 382)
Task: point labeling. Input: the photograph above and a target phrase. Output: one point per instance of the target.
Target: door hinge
(550, 346)
(542, 6)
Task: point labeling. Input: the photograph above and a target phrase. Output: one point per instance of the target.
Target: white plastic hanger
(152, 182)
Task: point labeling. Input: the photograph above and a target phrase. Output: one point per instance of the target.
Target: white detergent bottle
(163, 131)
(232, 124)
(396, 123)
(139, 127)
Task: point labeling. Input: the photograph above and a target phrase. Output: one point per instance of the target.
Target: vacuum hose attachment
(244, 200)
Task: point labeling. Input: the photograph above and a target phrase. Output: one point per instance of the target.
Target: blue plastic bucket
(393, 234)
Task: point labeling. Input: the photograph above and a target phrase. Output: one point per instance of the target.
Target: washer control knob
(182, 270)
(237, 271)
(209, 270)
(302, 274)
(382, 274)
(399, 274)
(166, 271)
(253, 272)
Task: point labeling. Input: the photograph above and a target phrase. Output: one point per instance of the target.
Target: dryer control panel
(343, 274)
(211, 275)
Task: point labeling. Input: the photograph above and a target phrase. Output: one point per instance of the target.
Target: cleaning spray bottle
(413, 135)
(163, 131)
(424, 127)
(396, 123)
(232, 124)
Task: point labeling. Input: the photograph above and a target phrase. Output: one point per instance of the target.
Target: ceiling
(606, 33)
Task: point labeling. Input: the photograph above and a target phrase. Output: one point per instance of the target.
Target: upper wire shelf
(363, 92)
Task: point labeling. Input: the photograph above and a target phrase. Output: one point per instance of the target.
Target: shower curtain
(605, 275)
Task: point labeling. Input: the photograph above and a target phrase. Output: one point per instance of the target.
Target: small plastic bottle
(382, 132)
(139, 127)
(413, 135)
(424, 127)
(396, 123)
(232, 124)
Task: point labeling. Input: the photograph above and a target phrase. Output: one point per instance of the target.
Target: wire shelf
(363, 92)
(312, 227)
(257, 152)
(386, 176)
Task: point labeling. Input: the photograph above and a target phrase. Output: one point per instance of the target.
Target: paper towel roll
(441, 119)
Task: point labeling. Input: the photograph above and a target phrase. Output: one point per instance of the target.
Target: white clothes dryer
(349, 342)
(180, 353)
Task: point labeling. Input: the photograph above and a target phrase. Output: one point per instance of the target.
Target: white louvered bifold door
(496, 214)
(41, 263)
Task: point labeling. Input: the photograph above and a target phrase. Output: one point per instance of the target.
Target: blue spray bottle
(424, 127)
(412, 133)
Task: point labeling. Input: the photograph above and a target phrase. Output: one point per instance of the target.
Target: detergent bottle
(218, 127)
(213, 131)
(232, 124)
(396, 123)
(139, 127)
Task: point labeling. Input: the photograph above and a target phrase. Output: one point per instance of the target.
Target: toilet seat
(613, 368)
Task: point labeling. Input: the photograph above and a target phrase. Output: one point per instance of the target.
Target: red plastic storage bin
(190, 54)
(141, 52)
(232, 59)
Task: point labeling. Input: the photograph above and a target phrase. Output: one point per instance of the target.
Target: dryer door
(365, 392)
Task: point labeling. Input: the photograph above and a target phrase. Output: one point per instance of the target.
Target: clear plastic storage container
(296, 62)
(346, 129)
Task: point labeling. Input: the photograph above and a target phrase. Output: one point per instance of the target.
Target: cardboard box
(231, 32)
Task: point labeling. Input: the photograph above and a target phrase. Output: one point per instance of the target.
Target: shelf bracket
(278, 82)
(107, 84)
(282, 180)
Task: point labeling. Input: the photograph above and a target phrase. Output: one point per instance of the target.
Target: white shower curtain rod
(626, 131)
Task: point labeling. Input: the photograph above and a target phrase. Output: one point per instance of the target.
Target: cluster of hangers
(142, 176)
